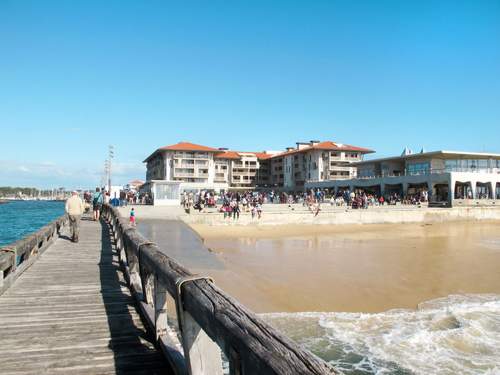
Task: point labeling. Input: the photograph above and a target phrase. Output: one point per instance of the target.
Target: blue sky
(76, 76)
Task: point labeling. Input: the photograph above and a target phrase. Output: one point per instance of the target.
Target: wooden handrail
(16, 257)
(213, 323)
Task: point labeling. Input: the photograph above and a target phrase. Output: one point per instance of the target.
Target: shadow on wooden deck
(133, 347)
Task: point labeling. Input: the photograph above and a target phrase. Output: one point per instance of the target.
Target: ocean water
(20, 218)
(459, 334)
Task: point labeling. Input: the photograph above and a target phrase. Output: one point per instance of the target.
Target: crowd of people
(76, 206)
(361, 199)
(124, 198)
(232, 204)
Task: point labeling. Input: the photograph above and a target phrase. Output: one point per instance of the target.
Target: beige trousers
(74, 224)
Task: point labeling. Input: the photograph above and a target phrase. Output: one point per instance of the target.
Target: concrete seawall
(282, 215)
(370, 216)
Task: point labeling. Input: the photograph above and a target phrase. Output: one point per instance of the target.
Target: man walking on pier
(74, 209)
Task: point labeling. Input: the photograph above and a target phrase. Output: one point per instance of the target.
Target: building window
(366, 173)
(468, 165)
(418, 168)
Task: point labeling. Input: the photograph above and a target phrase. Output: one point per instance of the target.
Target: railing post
(234, 362)
(160, 305)
(148, 284)
(135, 277)
(203, 355)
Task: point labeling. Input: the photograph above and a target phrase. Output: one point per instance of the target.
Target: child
(229, 210)
(132, 217)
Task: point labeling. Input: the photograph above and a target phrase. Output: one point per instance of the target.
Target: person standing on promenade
(74, 208)
(97, 201)
(107, 197)
(132, 217)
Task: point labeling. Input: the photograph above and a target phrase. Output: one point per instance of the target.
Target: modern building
(449, 177)
(190, 167)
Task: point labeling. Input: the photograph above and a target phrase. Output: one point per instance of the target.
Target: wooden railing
(213, 329)
(18, 256)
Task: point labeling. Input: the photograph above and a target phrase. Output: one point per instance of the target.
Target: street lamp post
(111, 154)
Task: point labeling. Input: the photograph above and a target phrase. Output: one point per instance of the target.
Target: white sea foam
(459, 334)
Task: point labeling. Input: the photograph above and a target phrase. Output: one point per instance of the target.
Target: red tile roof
(327, 145)
(136, 182)
(186, 146)
(262, 155)
(228, 155)
(237, 155)
(182, 146)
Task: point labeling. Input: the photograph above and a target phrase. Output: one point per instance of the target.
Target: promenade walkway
(72, 313)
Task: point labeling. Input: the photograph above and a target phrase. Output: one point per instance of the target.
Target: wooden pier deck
(72, 313)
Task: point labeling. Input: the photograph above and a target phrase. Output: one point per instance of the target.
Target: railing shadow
(133, 348)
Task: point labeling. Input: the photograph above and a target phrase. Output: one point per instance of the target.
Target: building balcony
(191, 157)
(246, 173)
(184, 165)
(190, 175)
(338, 168)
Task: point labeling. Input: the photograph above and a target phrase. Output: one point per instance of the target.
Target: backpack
(96, 199)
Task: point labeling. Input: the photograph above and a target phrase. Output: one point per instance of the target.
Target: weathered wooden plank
(7, 259)
(73, 313)
(26, 251)
(73, 328)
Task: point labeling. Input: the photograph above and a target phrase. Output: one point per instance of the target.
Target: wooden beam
(212, 316)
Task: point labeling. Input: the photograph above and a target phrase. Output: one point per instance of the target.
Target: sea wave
(459, 334)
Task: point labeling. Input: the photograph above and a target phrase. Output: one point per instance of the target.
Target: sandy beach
(368, 268)
(346, 231)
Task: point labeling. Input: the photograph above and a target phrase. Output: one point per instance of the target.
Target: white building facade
(315, 161)
(185, 166)
(451, 178)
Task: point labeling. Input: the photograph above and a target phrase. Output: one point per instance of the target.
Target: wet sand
(356, 268)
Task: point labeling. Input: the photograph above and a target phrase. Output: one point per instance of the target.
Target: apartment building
(316, 161)
(242, 170)
(186, 166)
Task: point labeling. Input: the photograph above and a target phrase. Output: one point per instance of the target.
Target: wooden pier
(72, 313)
(79, 308)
